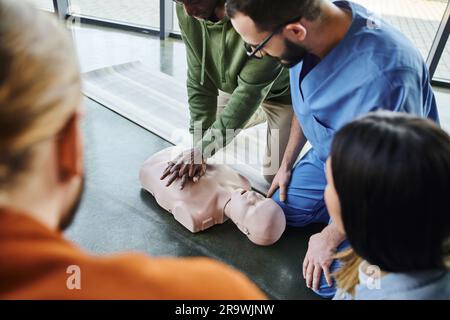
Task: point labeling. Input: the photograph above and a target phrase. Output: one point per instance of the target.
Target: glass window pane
(443, 69)
(141, 13)
(176, 26)
(43, 4)
(418, 19)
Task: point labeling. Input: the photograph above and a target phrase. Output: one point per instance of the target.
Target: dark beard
(293, 54)
(68, 219)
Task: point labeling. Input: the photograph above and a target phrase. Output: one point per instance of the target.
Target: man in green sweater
(227, 91)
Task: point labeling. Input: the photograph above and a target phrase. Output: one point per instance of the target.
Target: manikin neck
(223, 202)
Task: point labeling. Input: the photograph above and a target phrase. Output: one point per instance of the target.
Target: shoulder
(409, 286)
(377, 40)
(187, 23)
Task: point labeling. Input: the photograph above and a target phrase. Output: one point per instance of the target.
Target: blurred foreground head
(40, 95)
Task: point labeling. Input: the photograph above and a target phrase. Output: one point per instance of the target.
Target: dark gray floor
(116, 215)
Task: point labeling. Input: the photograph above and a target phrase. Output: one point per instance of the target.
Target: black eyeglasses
(255, 52)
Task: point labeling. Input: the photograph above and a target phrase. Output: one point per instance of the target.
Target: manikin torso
(201, 205)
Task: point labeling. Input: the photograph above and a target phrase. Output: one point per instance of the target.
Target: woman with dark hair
(388, 190)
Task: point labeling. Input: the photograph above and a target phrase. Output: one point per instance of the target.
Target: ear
(70, 149)
(295, 31)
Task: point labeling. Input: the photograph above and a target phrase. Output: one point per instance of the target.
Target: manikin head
(261, 219)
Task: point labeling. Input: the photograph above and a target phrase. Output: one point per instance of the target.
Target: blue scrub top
(373, 67)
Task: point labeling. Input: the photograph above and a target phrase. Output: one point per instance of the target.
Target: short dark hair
(269, 14)
(392, 175)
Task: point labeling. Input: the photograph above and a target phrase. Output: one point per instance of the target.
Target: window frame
(166, 30)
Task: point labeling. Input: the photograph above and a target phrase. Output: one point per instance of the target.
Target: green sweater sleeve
(254, 83)
(202, 97)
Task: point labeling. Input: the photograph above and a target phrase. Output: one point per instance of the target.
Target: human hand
(188, 165)
(320, 255)
(281, 180)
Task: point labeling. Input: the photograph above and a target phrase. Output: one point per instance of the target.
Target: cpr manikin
(220, 194)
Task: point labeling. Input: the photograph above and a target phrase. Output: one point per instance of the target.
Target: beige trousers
(278, 117)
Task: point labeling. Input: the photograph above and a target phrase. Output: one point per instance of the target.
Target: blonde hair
(40, 85)
(347, 277)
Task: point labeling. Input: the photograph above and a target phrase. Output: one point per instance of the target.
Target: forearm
(333, 233)
(243, 103)
(202, 109)
(297, 141)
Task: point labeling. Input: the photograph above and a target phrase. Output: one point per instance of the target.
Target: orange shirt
(34, 264)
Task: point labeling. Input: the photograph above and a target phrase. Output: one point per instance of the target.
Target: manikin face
(260, 218)
(332, 199)
(284, 45)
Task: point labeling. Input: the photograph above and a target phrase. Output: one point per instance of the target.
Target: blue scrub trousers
(305, 204)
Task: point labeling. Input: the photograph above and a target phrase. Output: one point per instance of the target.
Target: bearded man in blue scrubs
(344, 62)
